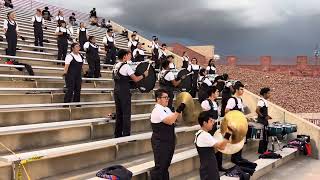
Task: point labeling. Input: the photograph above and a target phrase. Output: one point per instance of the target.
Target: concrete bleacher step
(50, 135)
(81, 156)
(6, 99)
(54, 112)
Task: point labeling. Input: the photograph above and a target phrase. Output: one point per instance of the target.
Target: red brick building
(179, 49)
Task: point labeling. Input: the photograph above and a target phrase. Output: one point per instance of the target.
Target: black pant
(94, 67)
(263, 144)
(73, 83)
(123, 113)
(236, 157)
(62, 50)
(38, 39)
(111, 56)
(12, 46)
(163, 153)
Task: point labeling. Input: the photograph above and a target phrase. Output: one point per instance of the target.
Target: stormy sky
(283, 28)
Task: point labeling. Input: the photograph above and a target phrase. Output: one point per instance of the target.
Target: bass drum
(186, 84)
(148, 83)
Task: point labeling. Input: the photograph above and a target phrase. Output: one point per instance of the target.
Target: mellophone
(255, 130)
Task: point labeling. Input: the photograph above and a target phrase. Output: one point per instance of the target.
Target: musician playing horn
(206, 144)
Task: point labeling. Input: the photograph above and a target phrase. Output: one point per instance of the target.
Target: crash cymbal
(191, 111)
(230, 148)
(236, 124)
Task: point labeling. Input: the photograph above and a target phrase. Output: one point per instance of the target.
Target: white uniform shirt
(155, 45)
(141, 52)
(206, 106)
(37, 18)
(108, 38)
(262, 102)
(87, 44)
(169, 76)
(134, 43)
(232, 103)
(62, 29)
(69, 58)
(5, 24)
(185, 58)
(82, 29)
(125, 70)
(211, 68)
(59, 18)
(204, 139)
(205, 80)
(162, 52)
(159, 113)
(194, 67)
(172, 65)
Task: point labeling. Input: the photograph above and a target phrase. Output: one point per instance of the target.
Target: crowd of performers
(163, 117)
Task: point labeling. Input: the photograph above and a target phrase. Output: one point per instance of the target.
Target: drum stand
(274, 139)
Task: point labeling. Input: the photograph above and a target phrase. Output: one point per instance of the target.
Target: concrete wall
(280, 114)
(207, 51)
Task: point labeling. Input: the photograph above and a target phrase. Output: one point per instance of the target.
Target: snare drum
(289, 128)
(275, 130)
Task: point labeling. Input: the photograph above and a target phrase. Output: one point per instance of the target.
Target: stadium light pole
(316, 54)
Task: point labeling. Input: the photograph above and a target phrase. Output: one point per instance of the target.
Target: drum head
(186, 84)
(146, 84)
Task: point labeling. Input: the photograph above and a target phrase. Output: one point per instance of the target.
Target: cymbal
(230, 148)
(236, 124)
(191, 111)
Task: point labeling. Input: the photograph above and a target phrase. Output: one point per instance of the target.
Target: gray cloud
(244, 28)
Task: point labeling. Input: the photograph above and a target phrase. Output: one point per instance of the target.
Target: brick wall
(179, 49)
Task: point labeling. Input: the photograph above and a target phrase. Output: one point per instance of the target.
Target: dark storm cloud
(245, 28)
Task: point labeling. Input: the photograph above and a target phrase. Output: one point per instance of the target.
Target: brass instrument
(192, 110)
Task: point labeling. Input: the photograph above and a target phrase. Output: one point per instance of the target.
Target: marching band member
(93, 58)
(204, 85)
(185, 60)
(155, 51)
(236, 103)
(194, 67)
(163, 135)
(206, 145)
(38, 22)
(138, 54)
(110, 47)
(122, 74)
(171, 63)
(73, 74)
(63, 34)
(82, 35)
(133, 43)
(211, 68)
(59, 17)
(11, 30)
(263, 117)
(168, 82)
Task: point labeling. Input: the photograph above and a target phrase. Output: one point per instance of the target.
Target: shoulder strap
(197, 137)
(164, 75)
(210, 103)
(235, 100)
